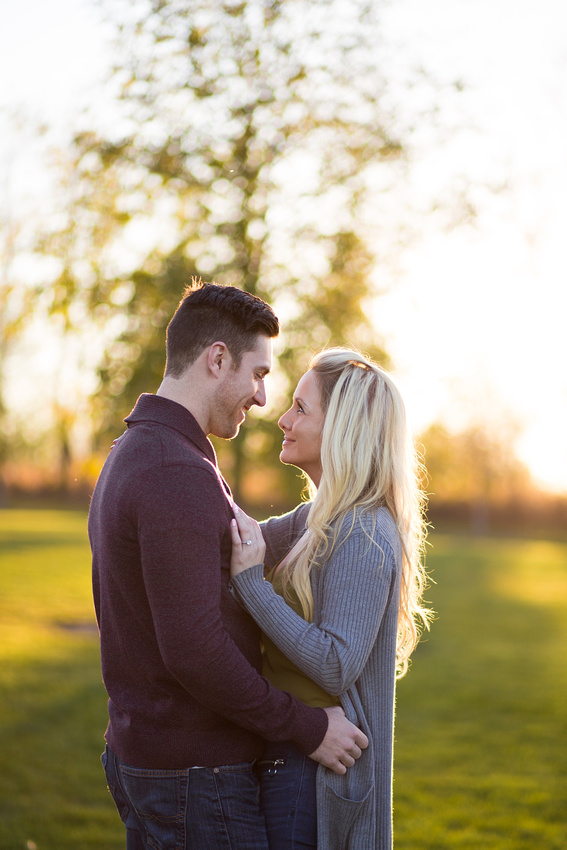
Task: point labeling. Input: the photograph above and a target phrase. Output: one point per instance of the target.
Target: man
(180, 658)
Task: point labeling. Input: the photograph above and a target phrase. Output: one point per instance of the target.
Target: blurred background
(389, 176)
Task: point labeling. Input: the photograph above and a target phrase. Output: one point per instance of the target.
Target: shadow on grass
(21, 530)
(52, 721)
(16, 543)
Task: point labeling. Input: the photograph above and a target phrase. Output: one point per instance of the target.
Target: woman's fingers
(247, 527)
(244, 522)
(234, 533)
(248, 547)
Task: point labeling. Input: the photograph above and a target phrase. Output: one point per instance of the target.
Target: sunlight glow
(476, 307)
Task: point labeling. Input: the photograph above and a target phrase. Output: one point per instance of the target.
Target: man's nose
(260, 395)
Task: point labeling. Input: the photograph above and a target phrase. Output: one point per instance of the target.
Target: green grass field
(481, 756)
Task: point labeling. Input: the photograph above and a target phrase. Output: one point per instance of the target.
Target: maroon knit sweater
(180, 657)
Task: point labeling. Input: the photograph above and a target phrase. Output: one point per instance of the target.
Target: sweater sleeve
(280, 533)
(358, 579)
(182, 534)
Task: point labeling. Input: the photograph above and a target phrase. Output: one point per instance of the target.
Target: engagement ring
(248, 543)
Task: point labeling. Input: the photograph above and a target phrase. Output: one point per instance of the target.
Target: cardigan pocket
(350, 822)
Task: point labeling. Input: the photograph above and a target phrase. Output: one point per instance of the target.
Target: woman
(343, 597)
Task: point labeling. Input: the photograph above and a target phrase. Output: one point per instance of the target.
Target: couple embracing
(251, 668)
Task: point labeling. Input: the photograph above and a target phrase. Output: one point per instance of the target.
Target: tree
(16, 305)
(247, 137)
(477, 466)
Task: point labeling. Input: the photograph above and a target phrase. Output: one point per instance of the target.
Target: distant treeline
(541, 514)
(534, 514)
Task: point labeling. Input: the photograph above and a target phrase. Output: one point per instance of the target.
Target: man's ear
(218, 359)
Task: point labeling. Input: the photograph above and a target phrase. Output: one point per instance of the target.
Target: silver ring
(248, 543)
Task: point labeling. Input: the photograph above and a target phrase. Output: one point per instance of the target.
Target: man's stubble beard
(225, 416)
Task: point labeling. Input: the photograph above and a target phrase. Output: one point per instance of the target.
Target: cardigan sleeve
(355, 586)
(281, 532)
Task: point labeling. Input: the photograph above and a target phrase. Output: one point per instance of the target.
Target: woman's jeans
(287, 793)
(200, 808)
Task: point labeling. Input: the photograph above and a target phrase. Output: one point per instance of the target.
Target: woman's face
(302, 425)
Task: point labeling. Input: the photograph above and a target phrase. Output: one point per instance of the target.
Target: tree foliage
(245, 140)
(477, 467)
(16, 306)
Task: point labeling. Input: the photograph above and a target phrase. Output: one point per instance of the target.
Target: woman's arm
(357, 583)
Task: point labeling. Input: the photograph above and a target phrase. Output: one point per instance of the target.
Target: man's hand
(342, 744)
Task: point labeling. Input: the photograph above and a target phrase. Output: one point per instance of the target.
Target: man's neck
(178, 390)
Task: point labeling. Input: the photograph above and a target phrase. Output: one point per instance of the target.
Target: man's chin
(227, 433)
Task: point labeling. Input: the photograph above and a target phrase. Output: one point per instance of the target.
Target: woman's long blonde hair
(369, 460)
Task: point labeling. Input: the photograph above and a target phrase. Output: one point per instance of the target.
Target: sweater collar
(163, 411)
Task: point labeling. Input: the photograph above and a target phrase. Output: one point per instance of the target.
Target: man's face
(240, 389)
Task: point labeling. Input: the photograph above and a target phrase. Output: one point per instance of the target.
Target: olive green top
(282, 672)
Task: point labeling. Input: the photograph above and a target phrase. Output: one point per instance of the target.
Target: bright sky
(476, 319)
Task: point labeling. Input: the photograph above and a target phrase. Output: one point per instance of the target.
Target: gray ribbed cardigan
(350, 650)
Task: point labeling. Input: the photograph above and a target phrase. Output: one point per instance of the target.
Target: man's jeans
(288, 795)
(207, 808)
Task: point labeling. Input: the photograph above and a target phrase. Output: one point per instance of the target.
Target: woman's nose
(283, 421)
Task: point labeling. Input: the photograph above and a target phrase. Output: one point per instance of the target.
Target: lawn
(481, 756)
(480, 737)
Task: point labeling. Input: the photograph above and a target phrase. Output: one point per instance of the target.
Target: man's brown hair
(209, 312)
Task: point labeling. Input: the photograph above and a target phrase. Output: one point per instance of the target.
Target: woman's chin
(287, 457)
